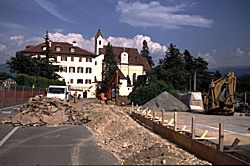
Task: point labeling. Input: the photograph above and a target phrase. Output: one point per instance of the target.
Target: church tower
(98, 41)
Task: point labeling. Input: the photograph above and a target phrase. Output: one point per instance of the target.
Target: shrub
(26, 80)
(143, 94)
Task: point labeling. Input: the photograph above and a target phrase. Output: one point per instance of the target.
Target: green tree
(35, 66)
(143, 94)
(172, 68)
(109, 65)
(146, 54)
(217, 75)
(4, 76)
(22, 64)
(203, 76)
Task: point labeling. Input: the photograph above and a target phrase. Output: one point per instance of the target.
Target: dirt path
(119, 134)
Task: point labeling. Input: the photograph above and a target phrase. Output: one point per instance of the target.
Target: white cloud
(70, 37)
(153, 14)
(156, 49)
(3, 47)
(239, 52)
(18, 37)
(208, 58)
(52, 9)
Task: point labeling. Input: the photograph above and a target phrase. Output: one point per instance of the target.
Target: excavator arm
(221, 95)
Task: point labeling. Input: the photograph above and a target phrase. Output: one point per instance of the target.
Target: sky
(216, 30)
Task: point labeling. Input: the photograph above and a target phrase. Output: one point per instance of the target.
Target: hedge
(26, 80)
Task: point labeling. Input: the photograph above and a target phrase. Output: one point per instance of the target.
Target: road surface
(68, 145)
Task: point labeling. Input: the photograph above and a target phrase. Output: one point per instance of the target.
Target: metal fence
(15, 95)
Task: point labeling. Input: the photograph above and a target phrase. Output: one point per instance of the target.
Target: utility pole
(245, 97)
(190, 86)
(195, 81)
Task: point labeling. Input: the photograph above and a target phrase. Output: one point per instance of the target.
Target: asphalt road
(69, 145)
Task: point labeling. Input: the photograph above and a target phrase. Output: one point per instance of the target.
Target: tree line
(175, 73)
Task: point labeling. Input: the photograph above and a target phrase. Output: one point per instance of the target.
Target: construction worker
(75, 96)
(103, 98)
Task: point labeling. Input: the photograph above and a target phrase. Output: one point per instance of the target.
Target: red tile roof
(134, 58)
(65, 49)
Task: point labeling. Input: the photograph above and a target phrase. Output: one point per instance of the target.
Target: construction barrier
(15, 94)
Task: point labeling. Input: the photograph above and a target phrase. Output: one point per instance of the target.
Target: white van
(60, 92)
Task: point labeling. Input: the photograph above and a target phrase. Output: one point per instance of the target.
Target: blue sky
(217, 30)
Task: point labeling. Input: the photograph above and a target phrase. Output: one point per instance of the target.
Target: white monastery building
(82, 70)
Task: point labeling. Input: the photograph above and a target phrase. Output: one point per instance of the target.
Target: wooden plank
(199, 149)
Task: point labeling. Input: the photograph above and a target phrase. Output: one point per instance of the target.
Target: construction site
(163, 131)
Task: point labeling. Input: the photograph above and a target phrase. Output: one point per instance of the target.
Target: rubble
(40, 110)
(132, 143)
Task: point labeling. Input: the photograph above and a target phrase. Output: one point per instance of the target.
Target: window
(72, 49)
(88, 59)
(88, 70)
(80, 59)
(63, 58)
(95, 62)
(72, 58)
(80, 70)
(71, 81)
(100, 42)
(124, 57)
(63, 69)
(58, 49)
(79, 81)
(87, 81)
(72, 69)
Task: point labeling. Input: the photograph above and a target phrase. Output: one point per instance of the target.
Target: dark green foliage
(21, 64)
(128, 80)
(175, 72)
(4, 76)
(243, 84)
(141, 81)
(145, 93)
(26, 80)
(146, 54)
(109, 65)
(242, 87)
(217, 75)
(35, 66)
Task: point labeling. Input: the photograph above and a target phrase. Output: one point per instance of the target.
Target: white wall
(124, 90)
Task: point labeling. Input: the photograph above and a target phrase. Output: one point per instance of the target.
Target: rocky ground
(132, 143)
(114, 129)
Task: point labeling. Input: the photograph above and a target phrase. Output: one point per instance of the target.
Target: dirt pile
(167, 102)
(41, 110)
(132, 143)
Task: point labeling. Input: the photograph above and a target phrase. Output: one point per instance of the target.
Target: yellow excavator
(221, 95)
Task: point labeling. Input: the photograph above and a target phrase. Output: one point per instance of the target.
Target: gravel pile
(167, 102)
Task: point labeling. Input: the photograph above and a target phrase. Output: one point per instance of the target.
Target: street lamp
(195, 80)
(189, 81)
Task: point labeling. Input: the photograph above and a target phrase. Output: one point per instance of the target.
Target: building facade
(82, 70)
(77, 66)
(129, 61)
